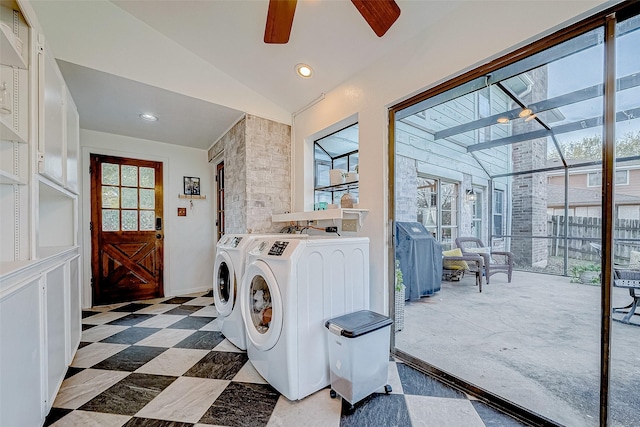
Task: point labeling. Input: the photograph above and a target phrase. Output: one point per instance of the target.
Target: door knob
(158, 236)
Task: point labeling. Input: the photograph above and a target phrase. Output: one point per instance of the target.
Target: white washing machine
(229, 266)
(289, 289)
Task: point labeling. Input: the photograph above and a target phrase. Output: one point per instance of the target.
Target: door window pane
(147, 177)
(146, 220)
(129, 176)
(129, 220)
(129, 198)
(110, 220)
(110, 174)
(147, 199)
(110, 197)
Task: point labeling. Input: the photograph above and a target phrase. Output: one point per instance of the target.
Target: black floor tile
(54, 415)
(130, 335)
(242, 404)
(208, 294)
(131, 307)
(71, 371)
(201, 340)
(376, 410)
(492, 417)
(130, 359)
(184, 310)
(148, 422)
(130, 395)
(85, 326)
(89, 313)
(178, 300)
(418, 383)
(131, 319)
(192, 322)
(219, 365)
(83, 344)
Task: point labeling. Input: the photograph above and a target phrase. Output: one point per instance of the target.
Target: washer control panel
(235, 241)
(278, 248)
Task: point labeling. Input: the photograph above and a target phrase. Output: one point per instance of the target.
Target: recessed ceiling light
(304, 70)
(503, 120)
(148, 117)
(531, 117)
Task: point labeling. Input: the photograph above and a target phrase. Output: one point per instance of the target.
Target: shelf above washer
(329, 214)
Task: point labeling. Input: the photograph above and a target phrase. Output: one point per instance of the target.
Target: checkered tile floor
(164, 362)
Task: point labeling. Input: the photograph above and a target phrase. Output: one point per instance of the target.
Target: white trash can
(358, 354)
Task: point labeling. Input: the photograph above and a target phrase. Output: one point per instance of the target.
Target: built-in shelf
(9, 134)
(10, 55)
(328, 214)
(9, 178)
(190, 197)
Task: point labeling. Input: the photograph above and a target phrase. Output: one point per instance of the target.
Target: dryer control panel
(278, 248)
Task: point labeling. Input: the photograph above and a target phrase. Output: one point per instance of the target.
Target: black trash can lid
(359, 323)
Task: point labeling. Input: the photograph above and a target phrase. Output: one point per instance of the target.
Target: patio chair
(455, 264)
(494, 261)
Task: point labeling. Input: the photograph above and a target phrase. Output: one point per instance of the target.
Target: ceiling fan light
(148, 117)
(525, 112)
(304, 70)
(503, 120)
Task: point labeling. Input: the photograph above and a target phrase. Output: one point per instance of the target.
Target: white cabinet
(51, 144)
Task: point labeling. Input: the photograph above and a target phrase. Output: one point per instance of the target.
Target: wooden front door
(127, 231)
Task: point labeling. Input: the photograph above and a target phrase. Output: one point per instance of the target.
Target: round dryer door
(224, 284)
(261, 305)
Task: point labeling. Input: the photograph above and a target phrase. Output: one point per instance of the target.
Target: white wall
(474, 34)
(188, 241)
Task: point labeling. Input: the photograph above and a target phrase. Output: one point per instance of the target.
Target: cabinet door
(73, 142)
(52, 124)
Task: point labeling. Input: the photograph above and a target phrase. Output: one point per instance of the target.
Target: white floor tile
(317, 410)
(248, 374)
(442, 412)
(100, 332)
(77, 390)
(166, 337)
(102, 318)
(214, 325)
(108, 307)
(186, 399)
(207, 311)
(393, 380)
(226, 345)
(94, 353)
(200, 301)
(157, 308)
(86, 418)
(160, 321)
(173, 362)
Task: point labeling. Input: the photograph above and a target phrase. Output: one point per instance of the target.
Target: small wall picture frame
(191, 186)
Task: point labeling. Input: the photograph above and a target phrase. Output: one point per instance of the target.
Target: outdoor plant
(399, 279)
(578, 270)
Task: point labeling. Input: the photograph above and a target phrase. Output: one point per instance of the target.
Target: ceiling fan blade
(279, 21)
(379, 14)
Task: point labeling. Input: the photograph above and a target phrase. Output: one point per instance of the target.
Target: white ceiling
(227, 37)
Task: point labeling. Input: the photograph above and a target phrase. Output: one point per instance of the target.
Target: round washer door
(224, 284)
(261, 305)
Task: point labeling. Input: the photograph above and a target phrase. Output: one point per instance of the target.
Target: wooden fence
(582, 231)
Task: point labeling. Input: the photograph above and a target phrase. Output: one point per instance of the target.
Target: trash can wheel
(333, 394)
(388, 389)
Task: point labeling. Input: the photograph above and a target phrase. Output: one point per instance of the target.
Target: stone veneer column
(257, 170)
(529, 192)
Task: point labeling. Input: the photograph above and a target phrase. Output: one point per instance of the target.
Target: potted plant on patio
(399, 298)
(587, 274)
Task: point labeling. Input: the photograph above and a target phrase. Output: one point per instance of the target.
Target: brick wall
(257, 170)
(406, 190)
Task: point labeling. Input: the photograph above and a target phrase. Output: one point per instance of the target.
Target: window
(438, 209)
(594, 179)
(498, 212)
(338, 150)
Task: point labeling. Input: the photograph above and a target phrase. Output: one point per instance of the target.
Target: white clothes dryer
(228, 269)
(289, 289)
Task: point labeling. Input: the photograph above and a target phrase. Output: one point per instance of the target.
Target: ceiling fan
(379, 14)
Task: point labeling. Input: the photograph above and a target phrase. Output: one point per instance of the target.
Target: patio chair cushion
(634, 260)
(482, 250)
(453, 265)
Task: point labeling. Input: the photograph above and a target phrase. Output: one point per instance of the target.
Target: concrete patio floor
(534, 341)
